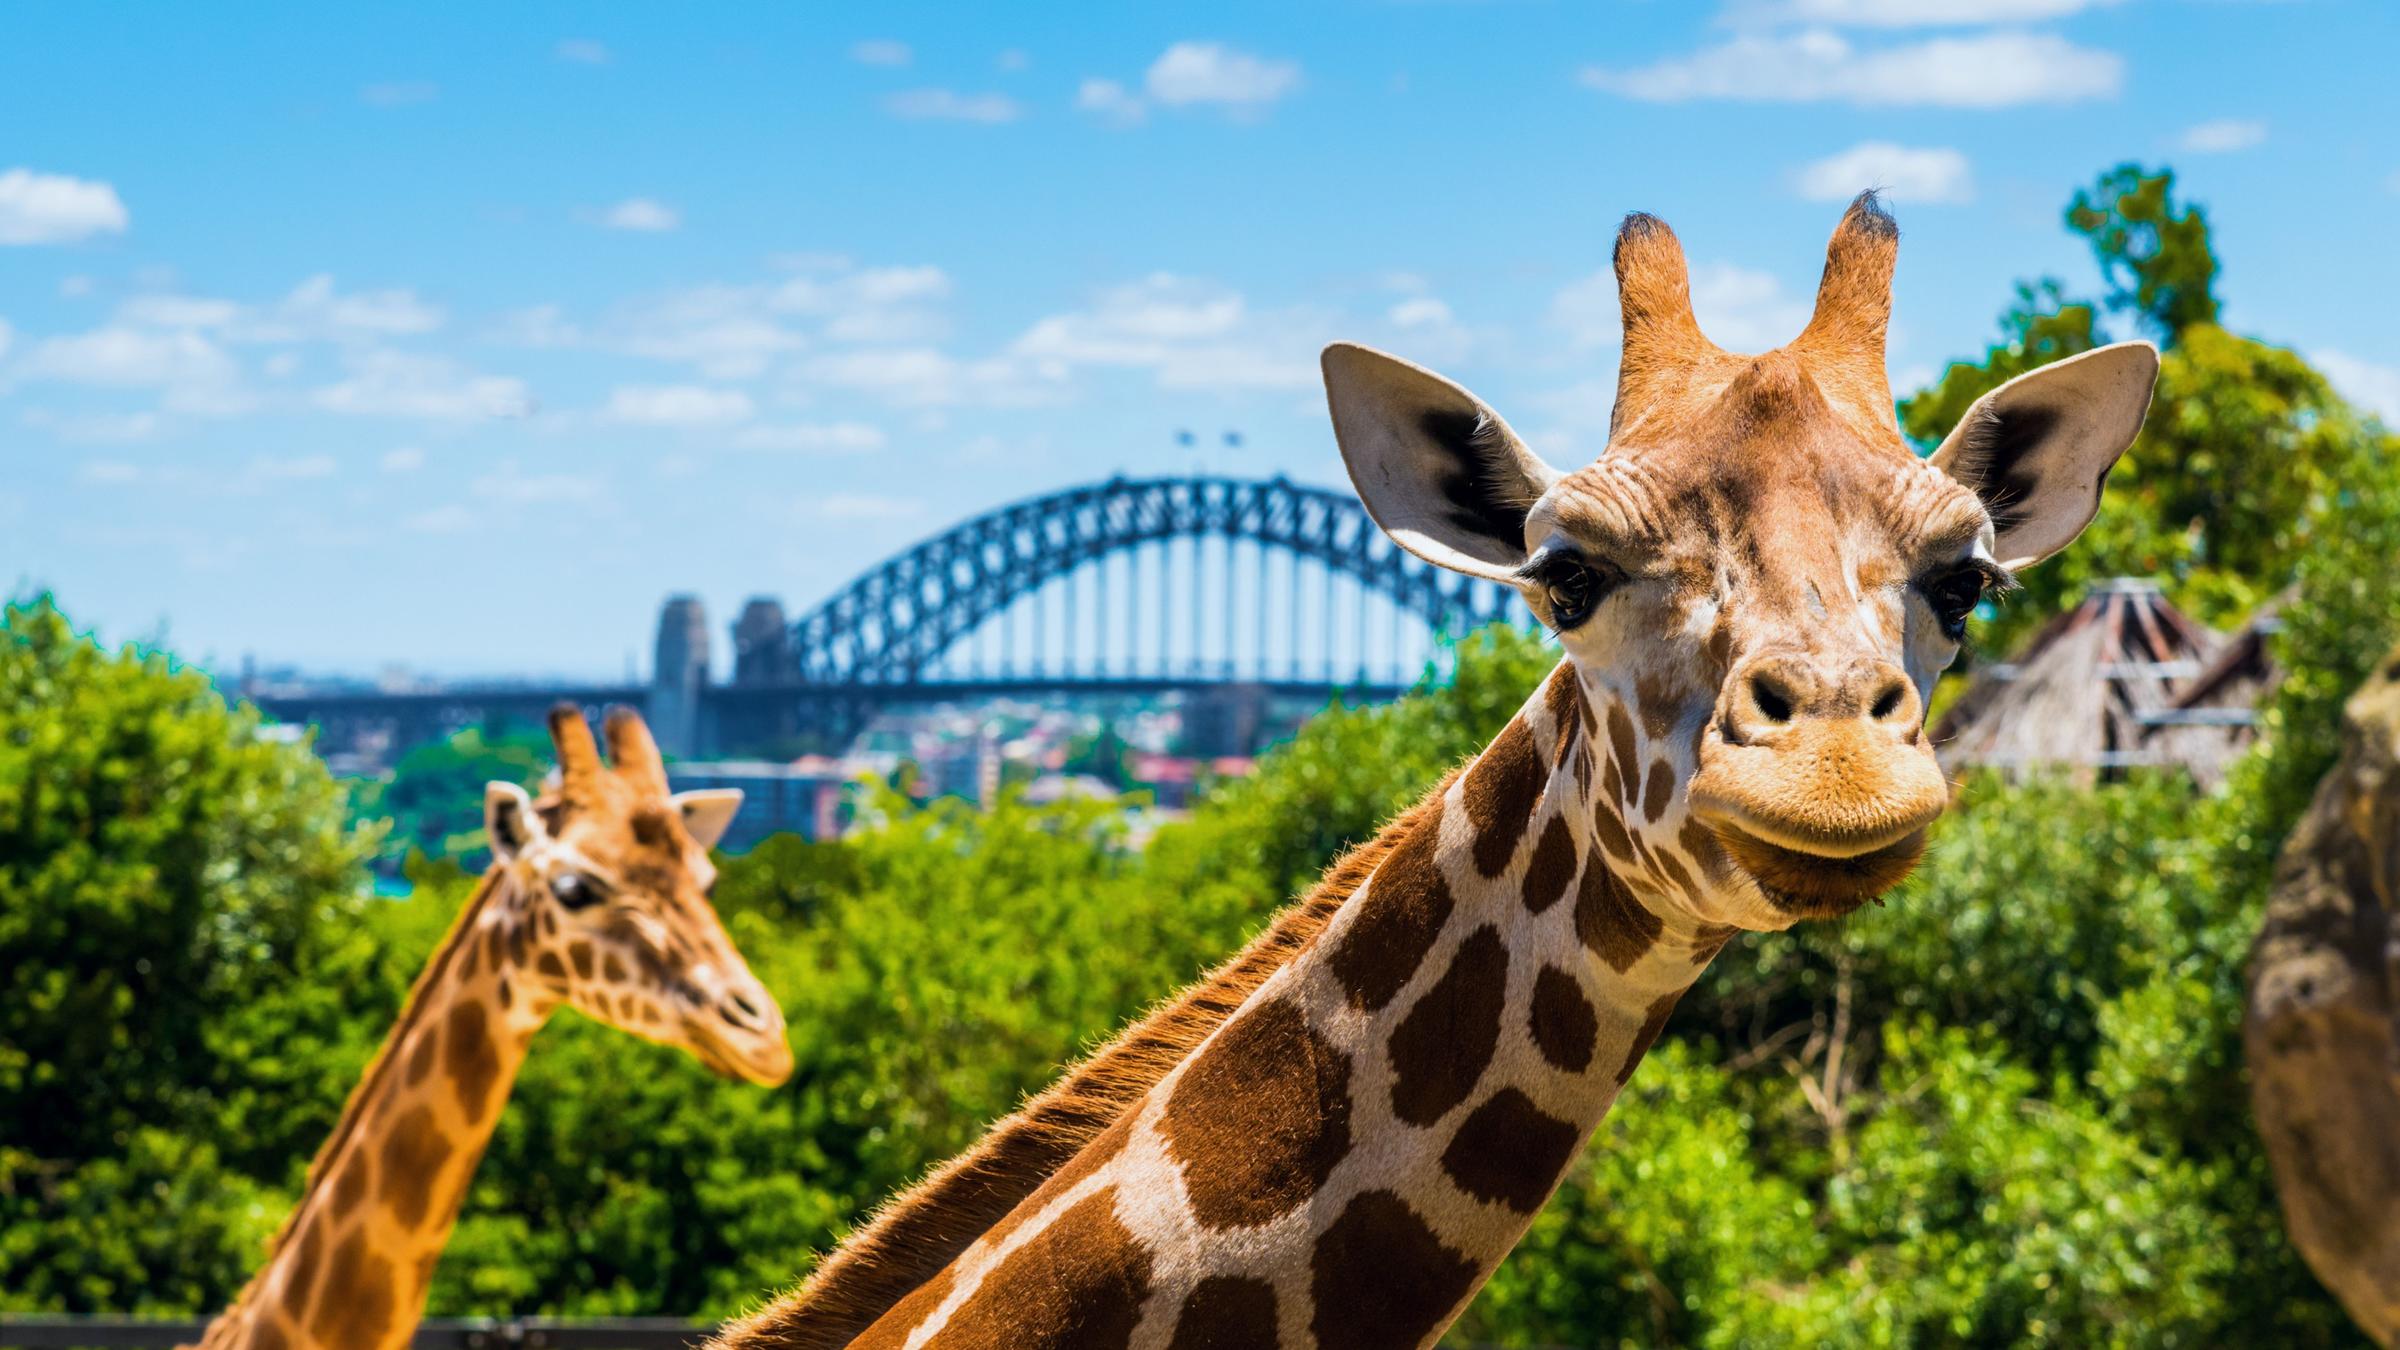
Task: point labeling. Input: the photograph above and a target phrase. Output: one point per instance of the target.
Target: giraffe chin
(1813, 886)
(767, 1064)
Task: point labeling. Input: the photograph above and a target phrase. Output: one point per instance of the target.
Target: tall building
(762, 644)
(678, 674)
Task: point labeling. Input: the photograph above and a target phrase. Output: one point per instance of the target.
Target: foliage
(180, 909)
(2246, 448)
(2006, 1109)
(434, 796)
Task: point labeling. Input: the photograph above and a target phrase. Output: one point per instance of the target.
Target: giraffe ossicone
(1332, 1140)
(596, 898)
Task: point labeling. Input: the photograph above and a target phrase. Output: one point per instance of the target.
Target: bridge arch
(895, 621)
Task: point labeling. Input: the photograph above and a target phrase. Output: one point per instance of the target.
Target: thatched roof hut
(2122, 681)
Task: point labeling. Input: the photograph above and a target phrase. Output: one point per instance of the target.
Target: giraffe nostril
(1887, 703)
(1772, 703)
(740, 1011)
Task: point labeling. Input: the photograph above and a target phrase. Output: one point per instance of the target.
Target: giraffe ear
(1439, 471)
(707, 812)
(508, 819)
(2038, 449)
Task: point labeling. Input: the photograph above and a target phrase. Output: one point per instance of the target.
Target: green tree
(179, 911)
(434, 795)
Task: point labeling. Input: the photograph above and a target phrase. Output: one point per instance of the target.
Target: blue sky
(459, 336)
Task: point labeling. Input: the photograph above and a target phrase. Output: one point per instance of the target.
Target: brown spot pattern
(302, 1282)
(1610, 921)
(1509, 1152)
(413, 1156)
(1562, 698)
(1260, 1118)
(350, 1185)
(1564, 1025)
(1709, 939)
(612, 969)
(266, 1333)
(1552, 867)
(1646, 1035)
(1500, 791)
(1380, 1245)
(472, 1062)
(421, 1057)
(581, 954)
(549, 965)
(355, 1306)
(1620, 742)
(1609, 829)
(1654, 794)
(1227, 1312)
(1442, 1047)
(1406, 904)
(1079, 1282)
(1657, 696)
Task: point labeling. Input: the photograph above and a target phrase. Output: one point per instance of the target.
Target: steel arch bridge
(892, 624)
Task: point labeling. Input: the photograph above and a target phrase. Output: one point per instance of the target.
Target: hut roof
(2094, 689)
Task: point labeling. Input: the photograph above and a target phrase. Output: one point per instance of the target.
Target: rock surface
(2322, 1031)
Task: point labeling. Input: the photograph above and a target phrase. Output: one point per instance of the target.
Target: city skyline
(460, 340)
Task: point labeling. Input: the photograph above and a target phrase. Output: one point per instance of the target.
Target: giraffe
(1334, 1138)
(596, 898)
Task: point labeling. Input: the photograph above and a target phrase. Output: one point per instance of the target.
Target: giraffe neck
(351, 1267)
(1346, 1159)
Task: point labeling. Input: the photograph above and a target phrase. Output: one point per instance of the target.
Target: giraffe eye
(1954, 595)
(1572, 588)
(573, 891)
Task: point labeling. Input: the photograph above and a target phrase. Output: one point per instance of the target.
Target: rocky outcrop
(2322, 1031)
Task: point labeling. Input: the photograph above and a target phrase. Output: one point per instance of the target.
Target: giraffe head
(611, 876)
(1757, 580)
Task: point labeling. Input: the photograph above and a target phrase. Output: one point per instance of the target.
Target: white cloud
(1191, 334)
(399, 93)
(316, 309)
(386, 383)
(642, 215)
(2222, 136)
(406, 459)
(1744, 310)
(508, 484)
(1211, 72)
(881, 52)
(1984, 70)
(677, 405)
(1738, 308)
(109, 472)
(52, 208)
(96, 428)
(268, 469)
(1905, 13)
(825, 438)
(1111, 102)
(450, 519)
(75, 287)
(2373, 387)
(125, 357)
(732, 332)
(1013, 59)
(1422, 311)
(8, 336)
(584, 52)
(948, 105)
(1928, 174)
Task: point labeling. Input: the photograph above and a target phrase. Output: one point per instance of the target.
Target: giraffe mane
(371, 1081)
(910, 1238)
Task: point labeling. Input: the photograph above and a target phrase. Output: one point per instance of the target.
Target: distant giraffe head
(613, 875)
(1757, 564)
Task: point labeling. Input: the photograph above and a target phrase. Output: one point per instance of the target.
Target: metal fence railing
(440, 1333)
